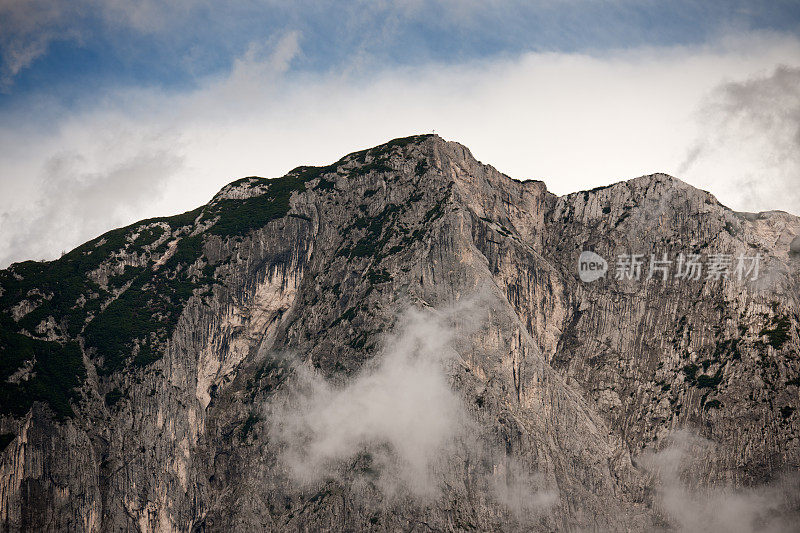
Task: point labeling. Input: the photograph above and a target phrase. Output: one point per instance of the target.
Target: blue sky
(118, 110)
(84, 50)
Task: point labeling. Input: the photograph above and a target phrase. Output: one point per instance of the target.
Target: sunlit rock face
(404, 340)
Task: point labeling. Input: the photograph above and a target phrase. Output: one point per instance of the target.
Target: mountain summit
(402, 340)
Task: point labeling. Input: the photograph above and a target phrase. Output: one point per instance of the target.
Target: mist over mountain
(406, 339)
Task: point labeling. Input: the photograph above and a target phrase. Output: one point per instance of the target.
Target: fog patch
(771, 507)
(519, 491)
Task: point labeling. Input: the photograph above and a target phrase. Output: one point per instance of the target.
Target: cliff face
(401, 340)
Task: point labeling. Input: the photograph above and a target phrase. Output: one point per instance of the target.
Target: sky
(114, 111)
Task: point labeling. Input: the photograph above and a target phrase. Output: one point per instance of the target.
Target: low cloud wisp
(401, 410)
(399, 423)
(691, 507)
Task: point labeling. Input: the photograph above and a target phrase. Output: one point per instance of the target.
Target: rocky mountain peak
(402, 339)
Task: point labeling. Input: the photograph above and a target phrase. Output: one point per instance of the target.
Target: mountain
(403, 340)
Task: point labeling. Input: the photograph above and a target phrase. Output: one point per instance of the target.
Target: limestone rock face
(251, 364)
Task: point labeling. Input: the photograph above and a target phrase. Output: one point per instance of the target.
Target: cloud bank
(575, 121)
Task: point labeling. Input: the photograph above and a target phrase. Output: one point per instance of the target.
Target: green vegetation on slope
(131, 320)
(61, 289)
(56, 371)
(239, 217)
(778, 335)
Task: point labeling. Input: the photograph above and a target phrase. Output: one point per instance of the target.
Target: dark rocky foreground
(253, 364)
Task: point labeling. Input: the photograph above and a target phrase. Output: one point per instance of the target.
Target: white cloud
(26, 29)
(29, 27)
(749, 143)
(146, 16)
(261, 62)
(575, 121)
(84, 192)
(402, 411)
